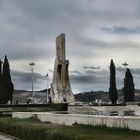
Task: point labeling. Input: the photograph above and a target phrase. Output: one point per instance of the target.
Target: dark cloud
(27, 75)
(83, 79)
(90, 75)
(90, 79)
(23, 80)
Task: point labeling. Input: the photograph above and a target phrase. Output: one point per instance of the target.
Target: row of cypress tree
(128, 89)
(6, 85)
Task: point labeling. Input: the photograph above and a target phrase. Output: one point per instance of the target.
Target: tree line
(128, 88)
(6, 85)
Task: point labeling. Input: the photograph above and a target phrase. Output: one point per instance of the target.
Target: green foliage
(0, 68)
(90, 96)
(9, 89)
(113, 90)
(29, 129)
(128, 89)
(33, 129)
(6, 85)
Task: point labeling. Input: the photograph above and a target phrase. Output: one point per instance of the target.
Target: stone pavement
(6, 137)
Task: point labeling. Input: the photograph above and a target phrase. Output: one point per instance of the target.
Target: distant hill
(101, 95)
(22, 95)
(17, 91)
(90, 96)
(45, 90)
(84, 96)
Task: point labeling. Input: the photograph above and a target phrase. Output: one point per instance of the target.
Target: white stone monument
(60, 89)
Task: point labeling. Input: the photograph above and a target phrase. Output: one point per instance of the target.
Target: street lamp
(32, 70)
(125, 64)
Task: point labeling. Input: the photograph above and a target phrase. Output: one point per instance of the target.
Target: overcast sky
(96, 31)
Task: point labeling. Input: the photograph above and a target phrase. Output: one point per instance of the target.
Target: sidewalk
(7, 137)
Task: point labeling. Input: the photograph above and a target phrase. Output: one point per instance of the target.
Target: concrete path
(6, 137)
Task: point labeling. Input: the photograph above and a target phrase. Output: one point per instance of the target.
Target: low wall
(132, 123)
(133, 107)
(33, 107)
(102, 108)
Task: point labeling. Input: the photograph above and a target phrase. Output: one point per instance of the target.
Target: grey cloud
(84, 79)
(75, 72)
(120, 69)
(41, 21)
(91, 67)
(99, 72)
(135, 71)
(90, 76)
(90, 80)
(29, 27)
(97, 44)
(50, 70)
(122, 30)
(27, 76)
(94, 43)
(23, 80)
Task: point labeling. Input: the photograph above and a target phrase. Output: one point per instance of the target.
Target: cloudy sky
(96, 31)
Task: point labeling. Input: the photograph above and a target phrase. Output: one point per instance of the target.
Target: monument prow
(60, 89)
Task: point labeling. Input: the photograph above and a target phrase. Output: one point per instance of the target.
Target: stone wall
(132, 123)
(102, 108)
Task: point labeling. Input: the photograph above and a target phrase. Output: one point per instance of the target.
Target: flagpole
(47, 88)
(32, 72)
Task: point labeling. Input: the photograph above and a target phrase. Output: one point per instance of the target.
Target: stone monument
(61, 89)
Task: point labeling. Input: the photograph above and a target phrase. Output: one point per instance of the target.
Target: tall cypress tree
(0, 68)
(1, 86)
(128, 89)
(8, 85)
(113, 95)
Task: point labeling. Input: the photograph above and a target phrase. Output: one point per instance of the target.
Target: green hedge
(31, 129)
(34, 107)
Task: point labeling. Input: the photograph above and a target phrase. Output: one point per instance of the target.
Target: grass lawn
(30, 129)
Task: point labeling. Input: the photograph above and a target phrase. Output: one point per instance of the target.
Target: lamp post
(32, 64)
(47, 76)
(125, 64)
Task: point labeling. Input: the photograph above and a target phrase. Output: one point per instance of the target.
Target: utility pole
(32, 64)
